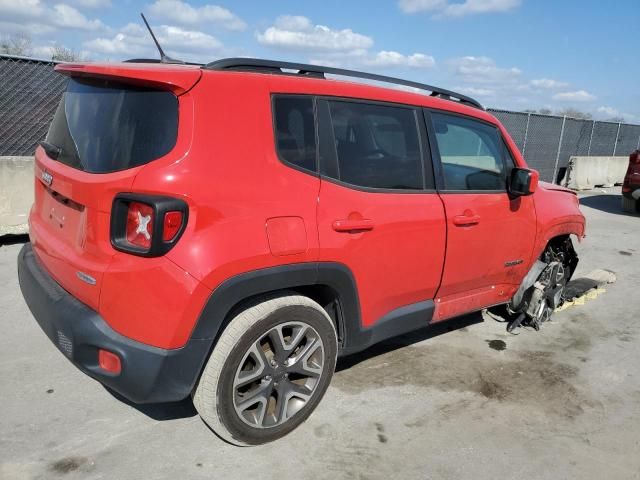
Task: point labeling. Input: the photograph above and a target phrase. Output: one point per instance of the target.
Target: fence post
(555, 167)
(526, 133)
(593, 127)
(615, 144)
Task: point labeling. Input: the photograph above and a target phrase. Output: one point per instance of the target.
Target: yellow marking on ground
(582, 299)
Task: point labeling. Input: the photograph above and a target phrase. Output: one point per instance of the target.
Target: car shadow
(606, 203)
(13, 239)
(160, 411)
(185, 409)
(410, 338)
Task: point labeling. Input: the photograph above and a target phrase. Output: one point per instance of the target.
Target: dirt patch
(68, 465)
(498, 345)
(382, 438)
(531, 378)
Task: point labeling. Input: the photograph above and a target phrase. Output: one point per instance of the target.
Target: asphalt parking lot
(473, 402)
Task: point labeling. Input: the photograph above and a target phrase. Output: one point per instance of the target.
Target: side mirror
(523, 182)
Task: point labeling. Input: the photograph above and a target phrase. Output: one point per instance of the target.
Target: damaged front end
(542, 290)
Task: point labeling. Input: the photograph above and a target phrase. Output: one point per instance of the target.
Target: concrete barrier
(16, 194)
(584, 173)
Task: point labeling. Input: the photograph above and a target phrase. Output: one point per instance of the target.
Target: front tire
(268, 371)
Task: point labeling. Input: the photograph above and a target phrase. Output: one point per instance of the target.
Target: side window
(295, 131)
(509, 161)
(471, 153)
(377, 146)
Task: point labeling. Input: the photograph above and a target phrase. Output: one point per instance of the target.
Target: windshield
(103, 126)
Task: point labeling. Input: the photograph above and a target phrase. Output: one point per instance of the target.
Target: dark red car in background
(631, 185)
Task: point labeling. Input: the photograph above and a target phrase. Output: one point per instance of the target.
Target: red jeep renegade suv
(228, 230)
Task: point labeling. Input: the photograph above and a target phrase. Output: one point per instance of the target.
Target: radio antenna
(163, 58)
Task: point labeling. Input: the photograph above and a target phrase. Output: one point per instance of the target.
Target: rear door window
(471, 153)
(103, 126)
(378, 146)
(295, 131)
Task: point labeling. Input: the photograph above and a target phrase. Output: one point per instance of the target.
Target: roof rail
(318, 71)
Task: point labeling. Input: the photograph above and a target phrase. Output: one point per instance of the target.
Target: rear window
(102, 126)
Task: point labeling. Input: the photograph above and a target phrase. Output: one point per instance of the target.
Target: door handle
(466, 220)
(346, 225)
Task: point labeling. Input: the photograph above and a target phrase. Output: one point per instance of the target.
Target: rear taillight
(147, 225)
(139, 224)
(634, 158)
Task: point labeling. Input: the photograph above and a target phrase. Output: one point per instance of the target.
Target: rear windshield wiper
(52, 150)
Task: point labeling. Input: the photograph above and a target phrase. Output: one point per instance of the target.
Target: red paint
(248, 211)
(287, 235)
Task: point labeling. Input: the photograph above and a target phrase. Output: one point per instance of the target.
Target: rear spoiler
(176, 78)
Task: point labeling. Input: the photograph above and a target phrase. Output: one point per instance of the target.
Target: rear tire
(268, 371)
(629, 205)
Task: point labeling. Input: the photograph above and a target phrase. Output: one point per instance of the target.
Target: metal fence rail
(30, 91)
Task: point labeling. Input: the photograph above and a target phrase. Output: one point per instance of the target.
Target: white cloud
(414, 6)
(386, 59)
(470, 7)
(548, 83)
(611, 112)
(91, 3)
(182, 12)
(133, 40)
(577, 96)
(294, 22)
(476, 92)
(23, 8)
(336, 48)
(448, 9)
(298, 33)
(65, 16)
(38, 15)
(483, 70)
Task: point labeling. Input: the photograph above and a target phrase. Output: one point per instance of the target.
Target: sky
(513, 54)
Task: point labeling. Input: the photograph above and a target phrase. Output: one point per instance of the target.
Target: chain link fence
(548, 141)
(29, 94)
(30, 91)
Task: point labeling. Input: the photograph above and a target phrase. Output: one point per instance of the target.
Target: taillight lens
(634, 158)
(147, 225)
(140, 224)
(172, 225)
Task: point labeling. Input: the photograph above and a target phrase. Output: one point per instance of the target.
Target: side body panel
(399, 261)
(485, 261)
(242, 200)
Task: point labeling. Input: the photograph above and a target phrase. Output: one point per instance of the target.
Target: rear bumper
(149, 374)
